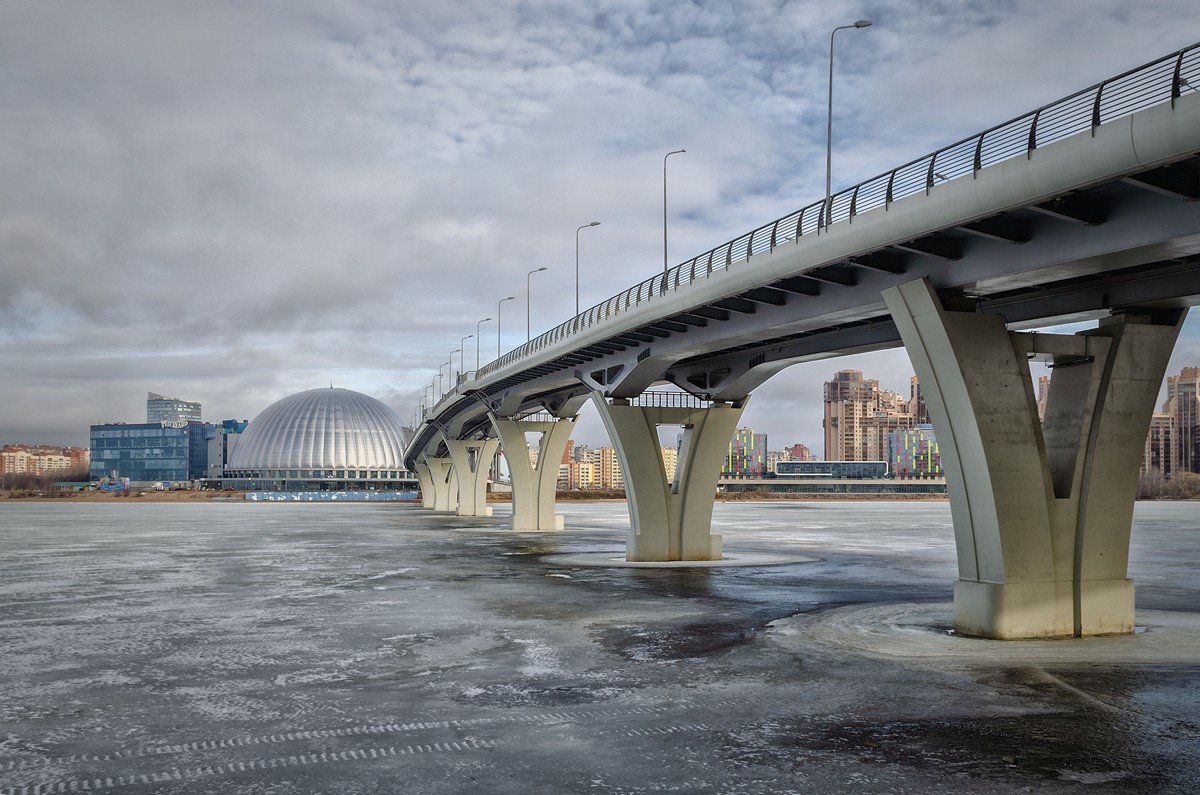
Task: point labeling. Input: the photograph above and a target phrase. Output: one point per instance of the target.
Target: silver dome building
(321, 440)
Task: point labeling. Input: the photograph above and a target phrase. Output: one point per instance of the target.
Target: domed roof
(322, 429)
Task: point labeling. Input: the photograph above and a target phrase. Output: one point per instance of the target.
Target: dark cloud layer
(230, 202)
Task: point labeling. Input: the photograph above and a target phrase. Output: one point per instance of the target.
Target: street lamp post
(450, 371)
(585, 226)
(462, 354)
(498, 305)
(477, 332)
(528, 327)
(862, 23)
(668, 154)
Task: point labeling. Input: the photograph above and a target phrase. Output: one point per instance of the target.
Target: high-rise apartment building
(1043, 394)
(670, 456)
(1173, 444)
(859, 416)
(798, 452)
(168, 409)
(607, 469)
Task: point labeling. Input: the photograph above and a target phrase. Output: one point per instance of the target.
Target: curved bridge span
(1084, 209)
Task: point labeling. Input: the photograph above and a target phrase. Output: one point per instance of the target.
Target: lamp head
(863, 23)
(594, 223)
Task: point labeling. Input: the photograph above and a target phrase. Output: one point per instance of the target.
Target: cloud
(230, 202)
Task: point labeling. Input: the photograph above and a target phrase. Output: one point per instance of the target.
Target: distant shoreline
(563, 497)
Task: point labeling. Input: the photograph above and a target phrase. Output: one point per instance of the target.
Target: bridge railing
(1158, 82)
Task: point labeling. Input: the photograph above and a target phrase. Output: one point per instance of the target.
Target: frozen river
(294, 648)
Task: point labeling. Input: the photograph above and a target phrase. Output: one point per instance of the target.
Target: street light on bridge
(577, 231)
(498, 305)
(862, 23)
(668, 154)
(528, 333)
(477, 333)
(462, 354)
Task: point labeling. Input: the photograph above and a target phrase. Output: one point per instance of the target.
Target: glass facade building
(159, 408)
(171, 451)
(832, 470)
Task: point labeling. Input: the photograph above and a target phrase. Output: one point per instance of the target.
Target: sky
(231, 202)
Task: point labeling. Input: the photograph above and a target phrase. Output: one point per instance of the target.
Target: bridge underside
(1101, 226)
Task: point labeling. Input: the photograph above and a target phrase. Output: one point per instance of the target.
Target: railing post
(887, 199)
(750, 245)
(929, 173)
(1095, 108)
(1033, 130)
(854, 200)
(978, 163)
(1176, 84)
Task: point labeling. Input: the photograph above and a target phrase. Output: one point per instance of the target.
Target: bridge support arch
(534, 487)
(1042, 510)
(443, 483)
(425, 479)
(670, 521)
(472, 459)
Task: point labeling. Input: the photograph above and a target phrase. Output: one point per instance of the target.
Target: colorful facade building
(747, 455)
(913, 453)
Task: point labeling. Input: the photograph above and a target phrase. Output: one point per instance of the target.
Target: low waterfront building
(832, 470)
(41, 459)
(221, 444)
(164, 452)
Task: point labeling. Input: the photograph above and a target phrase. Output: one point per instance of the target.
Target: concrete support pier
(425, 479)
(1042, 510)
(533, 487)
(472, 460)
(443, 482)
(670, 521)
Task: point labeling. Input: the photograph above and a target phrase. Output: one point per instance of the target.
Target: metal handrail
(1158, 82)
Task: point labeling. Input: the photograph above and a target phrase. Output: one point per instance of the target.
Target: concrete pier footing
(670, 521)
(1042, 510)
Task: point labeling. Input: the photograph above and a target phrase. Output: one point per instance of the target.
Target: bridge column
(444, 482)
(425, 478)
(670, 521)
(1042, 510)
(472, 459)
(533, 488)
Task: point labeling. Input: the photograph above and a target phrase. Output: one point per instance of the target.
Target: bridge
(1084, 209)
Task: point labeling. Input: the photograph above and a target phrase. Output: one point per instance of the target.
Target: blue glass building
(835, 470)
(172, 451)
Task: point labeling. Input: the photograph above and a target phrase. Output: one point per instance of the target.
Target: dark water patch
(673, 642)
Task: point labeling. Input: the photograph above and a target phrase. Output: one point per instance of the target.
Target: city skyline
(259, 212)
